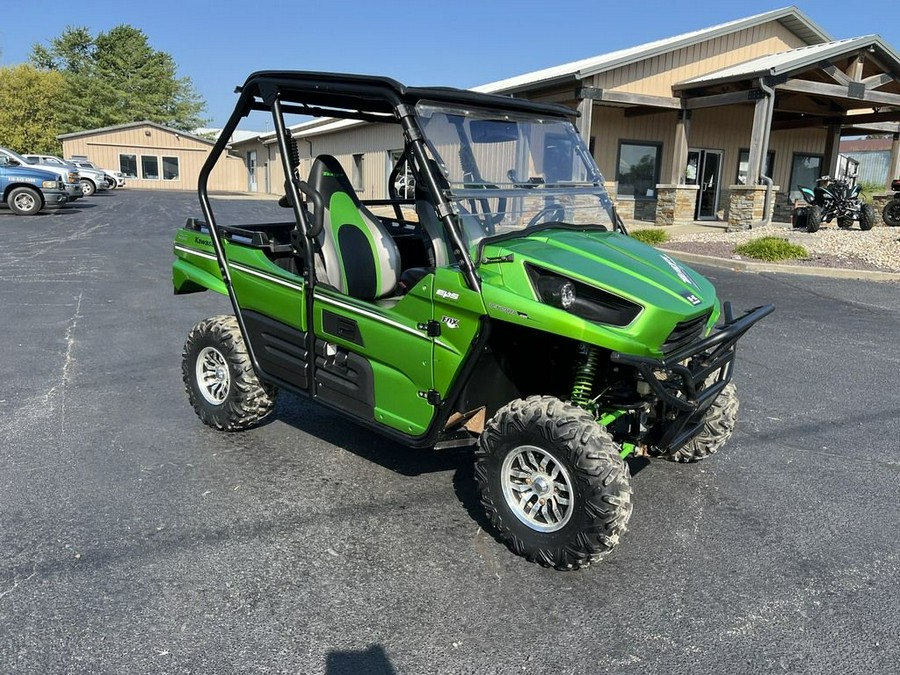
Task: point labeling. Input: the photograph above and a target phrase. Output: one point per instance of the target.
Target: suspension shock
(583, 386)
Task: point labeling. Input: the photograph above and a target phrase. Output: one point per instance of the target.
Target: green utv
(511, 313)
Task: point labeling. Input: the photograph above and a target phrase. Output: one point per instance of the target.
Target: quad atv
(512, 313)
(834, 198)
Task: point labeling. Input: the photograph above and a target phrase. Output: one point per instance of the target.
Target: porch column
(757, 136)
(894, 166)
(832, 150)
(585, 107)
(680, 149)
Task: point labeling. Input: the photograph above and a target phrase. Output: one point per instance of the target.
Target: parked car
(68, 174)
(26, 190)
(117, 178)
(91, 179)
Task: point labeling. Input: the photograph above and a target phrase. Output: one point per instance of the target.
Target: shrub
(771, 249)
(868, 190)
(651, 235)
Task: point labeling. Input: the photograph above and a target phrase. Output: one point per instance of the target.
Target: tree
(116, 78)
(29, 110)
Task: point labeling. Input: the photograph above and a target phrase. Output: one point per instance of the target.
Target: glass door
(704, 168)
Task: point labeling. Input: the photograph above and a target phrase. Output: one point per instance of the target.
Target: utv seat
(357, 255)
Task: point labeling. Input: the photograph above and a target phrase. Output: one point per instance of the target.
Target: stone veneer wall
(746, 205)
(675, 204)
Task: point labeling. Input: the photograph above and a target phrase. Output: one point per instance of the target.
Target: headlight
(582, 300)
(73, 178)
(557, 291)
(50, 184)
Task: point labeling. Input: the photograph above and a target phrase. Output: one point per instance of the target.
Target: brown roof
(866, 145)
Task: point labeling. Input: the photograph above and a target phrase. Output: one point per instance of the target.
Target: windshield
(506, 173)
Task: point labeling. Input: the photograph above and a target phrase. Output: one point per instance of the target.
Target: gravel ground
(877, 249)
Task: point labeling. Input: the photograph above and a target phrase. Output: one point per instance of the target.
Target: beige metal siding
(656, 76)
(609, 126)
(105, 148)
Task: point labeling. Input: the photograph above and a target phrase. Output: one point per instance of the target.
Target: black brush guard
(678, 378)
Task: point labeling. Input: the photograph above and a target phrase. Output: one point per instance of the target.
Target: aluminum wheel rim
(213, 378)
(537, 488)
(25, 201)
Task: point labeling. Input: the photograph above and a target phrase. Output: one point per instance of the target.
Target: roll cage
(360, 97)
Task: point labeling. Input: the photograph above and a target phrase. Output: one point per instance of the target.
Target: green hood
(669, 291)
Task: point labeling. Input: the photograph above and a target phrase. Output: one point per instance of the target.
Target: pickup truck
(91, 179)
(67, 174)
(26, 190)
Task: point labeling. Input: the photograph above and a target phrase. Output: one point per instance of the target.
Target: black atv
(833, 198)
(891, 213)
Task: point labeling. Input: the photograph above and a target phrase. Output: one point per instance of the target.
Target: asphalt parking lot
(135, 539)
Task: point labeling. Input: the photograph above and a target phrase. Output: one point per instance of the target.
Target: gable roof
(131, 125)
(792, 60)
(790, 17)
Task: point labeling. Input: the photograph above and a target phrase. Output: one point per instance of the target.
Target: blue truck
(26, 190)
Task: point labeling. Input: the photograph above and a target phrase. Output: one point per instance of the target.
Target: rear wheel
(845, 223)
(891, 213)
(718, 426)
(553, 482)
(24, 201)
(866, 217)
(813, 219)
(221, 384)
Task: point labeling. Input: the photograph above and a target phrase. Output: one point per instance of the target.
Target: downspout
(764, 154)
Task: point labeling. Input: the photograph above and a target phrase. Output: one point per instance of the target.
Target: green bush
(867, 190)
(651, 235)
(771, 249)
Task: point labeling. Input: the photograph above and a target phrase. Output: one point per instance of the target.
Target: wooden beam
(882, 128)
(585, 107)
(715, 100)
(877, 80)
(836, 74)
(839, 91)
(832, 148)
(855, 69)
(845, 121)
(647, 100)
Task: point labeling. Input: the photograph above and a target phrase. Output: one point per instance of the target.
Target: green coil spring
(583, 386)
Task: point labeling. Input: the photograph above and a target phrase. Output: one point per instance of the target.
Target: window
(358, 175)
(805, 169)
(128, 165)
(744, 159)
(637, 170)
(149, 167)
(170, 168)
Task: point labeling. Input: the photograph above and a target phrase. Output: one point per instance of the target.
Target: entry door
(251, 171)
(704, 168)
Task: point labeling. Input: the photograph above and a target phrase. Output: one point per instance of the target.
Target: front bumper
(681, 380)
(74, 191)
(54, 199)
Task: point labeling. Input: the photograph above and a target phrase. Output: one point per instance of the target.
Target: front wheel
(24, 201)
(221, 384)
(813, 218)
(891, 213)
(553, 482)
(866, 217)
(718, 426)
(87, 187)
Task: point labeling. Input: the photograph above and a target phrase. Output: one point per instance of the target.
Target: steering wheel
(551, 213)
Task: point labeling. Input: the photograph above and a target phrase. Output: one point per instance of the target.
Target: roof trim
(787, 62)
(130, 125)
(790, 17)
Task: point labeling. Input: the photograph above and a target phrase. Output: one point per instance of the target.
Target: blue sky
(459, 43)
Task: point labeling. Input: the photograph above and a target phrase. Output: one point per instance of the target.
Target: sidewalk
(836, 253)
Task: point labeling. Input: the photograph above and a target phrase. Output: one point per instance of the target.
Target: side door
(374, 359)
